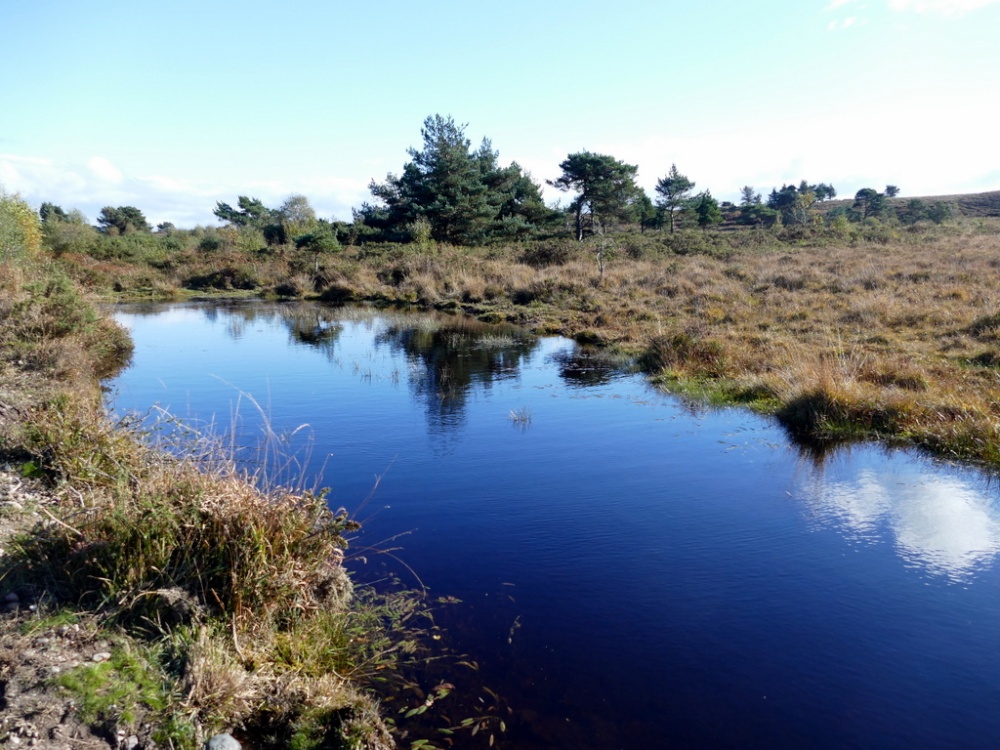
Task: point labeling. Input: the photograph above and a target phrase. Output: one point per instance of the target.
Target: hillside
(972, 205)
(969, 204)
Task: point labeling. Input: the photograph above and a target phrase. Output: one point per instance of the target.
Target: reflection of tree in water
(313, 326)
(309, 324)
(585, 366)
(449, 357)
(141, 309)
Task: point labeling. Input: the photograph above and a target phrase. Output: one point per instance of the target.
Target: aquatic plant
(520, 416)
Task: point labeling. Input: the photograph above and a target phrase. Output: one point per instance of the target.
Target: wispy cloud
(845, 23)
(939, 7)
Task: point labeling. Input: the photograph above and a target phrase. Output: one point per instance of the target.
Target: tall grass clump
(155, 533)
(189, 551)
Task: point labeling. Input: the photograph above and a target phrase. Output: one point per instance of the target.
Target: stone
(223, 742)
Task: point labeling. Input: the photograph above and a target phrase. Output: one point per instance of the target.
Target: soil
(34, 711)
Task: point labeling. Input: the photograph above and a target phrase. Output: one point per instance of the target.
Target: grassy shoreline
(217, 603)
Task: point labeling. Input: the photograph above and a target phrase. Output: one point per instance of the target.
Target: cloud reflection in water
(940, 523)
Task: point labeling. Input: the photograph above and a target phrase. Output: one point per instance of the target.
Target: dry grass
(881, 329)
(898, 340)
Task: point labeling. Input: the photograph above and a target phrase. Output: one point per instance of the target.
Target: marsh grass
(733, 313)
(115, 695)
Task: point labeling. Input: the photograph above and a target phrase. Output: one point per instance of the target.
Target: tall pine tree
(464, 195)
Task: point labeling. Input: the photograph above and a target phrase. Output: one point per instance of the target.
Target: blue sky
(174, 106)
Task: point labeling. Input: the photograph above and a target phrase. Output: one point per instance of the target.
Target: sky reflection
(947, 525)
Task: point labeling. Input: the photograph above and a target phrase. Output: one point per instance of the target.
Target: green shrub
(20, 228)
(556, 252)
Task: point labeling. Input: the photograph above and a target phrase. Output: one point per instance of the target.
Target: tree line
(451, 192)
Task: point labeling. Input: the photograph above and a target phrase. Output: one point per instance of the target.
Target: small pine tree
(706, 209)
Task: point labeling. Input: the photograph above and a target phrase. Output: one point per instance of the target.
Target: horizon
(209, 103)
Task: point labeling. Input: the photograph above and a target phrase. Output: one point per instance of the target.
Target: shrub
(225, 278)
(20, 228)
(63, 237)
(548, 253)
(209, 244)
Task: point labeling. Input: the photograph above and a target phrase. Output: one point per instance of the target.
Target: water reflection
(942, 522)
(449, 357)
(312, 325)
(946, 524)
(587, 367)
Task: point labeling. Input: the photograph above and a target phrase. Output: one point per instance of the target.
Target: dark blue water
(634, 572)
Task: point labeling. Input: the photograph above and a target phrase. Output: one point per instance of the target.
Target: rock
(101, 656)
(223, 742)
(131, 742)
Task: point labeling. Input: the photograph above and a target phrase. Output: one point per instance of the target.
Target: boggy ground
(875, 331)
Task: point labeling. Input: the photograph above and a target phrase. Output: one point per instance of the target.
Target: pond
(634, 571)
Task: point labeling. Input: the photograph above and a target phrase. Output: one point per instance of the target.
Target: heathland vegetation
(877, 316)
(866, 317)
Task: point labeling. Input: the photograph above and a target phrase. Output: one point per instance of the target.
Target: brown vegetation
(865, 330)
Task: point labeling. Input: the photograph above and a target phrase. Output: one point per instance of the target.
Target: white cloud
(941, 7)
(104, 170)
(839, 3)
(162, 197)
